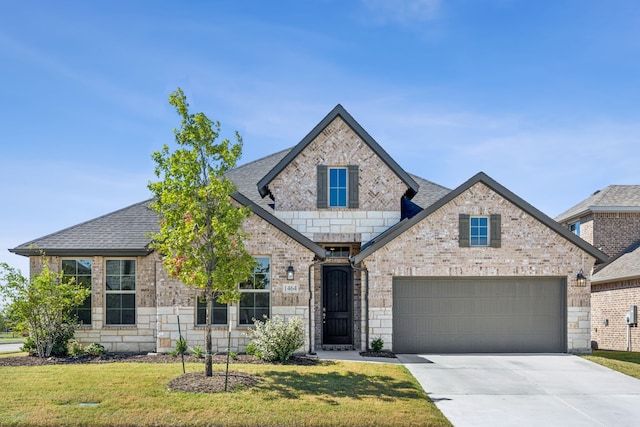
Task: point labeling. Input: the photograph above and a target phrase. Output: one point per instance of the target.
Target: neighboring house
(357, 247)
(610, 220)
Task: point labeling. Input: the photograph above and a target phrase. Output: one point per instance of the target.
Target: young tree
(43, 306)
(200, 235)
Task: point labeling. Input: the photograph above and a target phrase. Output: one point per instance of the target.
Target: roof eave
(28, 252)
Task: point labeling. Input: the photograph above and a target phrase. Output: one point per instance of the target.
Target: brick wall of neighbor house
(609, 304)
(586, 228)
(380, 190)
(615, 231)
(529, 248)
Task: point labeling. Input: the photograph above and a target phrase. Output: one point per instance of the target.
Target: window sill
(120, 327)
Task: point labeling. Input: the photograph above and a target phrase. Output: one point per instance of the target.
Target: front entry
(337, 305)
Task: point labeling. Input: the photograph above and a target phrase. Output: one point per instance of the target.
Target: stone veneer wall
(609, 304)
(159, 297)
(137, 338)
(265, 240)
(430, 249)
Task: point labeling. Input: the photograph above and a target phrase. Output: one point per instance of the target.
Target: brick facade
(431, 249)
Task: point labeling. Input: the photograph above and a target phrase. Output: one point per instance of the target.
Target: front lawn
(622, 361)
(112, 394)
(6, 337)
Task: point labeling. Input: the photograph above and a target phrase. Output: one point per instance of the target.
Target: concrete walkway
(10, 347)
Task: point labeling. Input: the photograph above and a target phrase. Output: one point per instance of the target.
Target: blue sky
(542, 96)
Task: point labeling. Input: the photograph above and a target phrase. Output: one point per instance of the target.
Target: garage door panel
(479, 315)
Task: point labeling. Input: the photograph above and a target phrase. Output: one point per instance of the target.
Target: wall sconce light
(580, 279)
(290, 272)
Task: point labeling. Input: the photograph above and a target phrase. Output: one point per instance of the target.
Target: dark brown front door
(337, 305)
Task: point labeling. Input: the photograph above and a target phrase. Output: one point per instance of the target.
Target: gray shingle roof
(123, 232)
(610, 198)
(623, 267)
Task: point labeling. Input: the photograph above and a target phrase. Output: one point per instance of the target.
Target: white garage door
(479, 315)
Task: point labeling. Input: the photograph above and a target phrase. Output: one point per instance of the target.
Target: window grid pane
(337, 187)
(218, 315)
(120, 284)
(256, 298)
(479, 231)
(80, 271)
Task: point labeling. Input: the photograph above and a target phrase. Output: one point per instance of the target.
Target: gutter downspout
(366, 302)
(315, 264)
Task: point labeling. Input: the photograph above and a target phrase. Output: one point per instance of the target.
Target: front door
(337, 305)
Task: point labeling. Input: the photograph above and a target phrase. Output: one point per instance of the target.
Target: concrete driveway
(526, 390)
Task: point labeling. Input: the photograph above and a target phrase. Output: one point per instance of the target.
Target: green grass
(10, 337)
(327, 394)
(622, 361)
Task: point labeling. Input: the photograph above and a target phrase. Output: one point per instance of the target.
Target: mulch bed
(143, 358)
(195, 382)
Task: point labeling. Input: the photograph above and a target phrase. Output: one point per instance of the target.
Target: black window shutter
(495, 231)
(463, 231)
(353, 186)
(323, 182)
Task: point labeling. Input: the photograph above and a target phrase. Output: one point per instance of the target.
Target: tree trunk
(208, 360)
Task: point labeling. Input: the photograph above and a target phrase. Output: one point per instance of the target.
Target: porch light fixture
(580, 279)
(290, 272)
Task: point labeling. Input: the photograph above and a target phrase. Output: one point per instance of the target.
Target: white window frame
(346, 186)
(488, 234)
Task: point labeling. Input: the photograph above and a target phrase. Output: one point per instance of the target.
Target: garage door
(479, 315)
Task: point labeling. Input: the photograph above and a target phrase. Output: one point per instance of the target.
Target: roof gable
(406, 224)
(338, 111)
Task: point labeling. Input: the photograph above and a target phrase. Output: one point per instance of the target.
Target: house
(610, 220)
(356, 246)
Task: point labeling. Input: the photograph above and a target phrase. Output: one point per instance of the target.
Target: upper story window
(80, 271)
(255, 302)
(338, 187)
(479, 231)
(120, 292)
(575, 228)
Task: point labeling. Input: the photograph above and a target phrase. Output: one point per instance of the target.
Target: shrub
(277, 339)
(181, 345)
(95, 349)
(75, 349)
(198, 352)
(377, 344)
